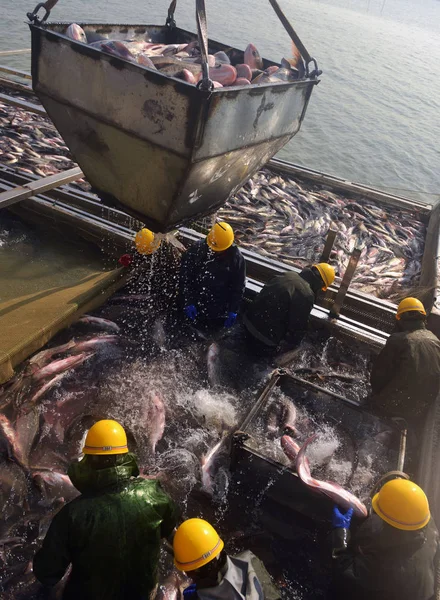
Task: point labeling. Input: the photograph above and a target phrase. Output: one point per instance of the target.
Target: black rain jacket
(281, 310)
(385, 563)
(213, 281)
(110, 534)
(405, 378)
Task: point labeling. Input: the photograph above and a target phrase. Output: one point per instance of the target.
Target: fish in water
(212, 363)
(77, 33)
(43, 357)
(208, 467)
(41, 392)
(53, 486)
(59, 366)
(95, 343)
(252, 57)
(8, 439)
(103, 324)
(156, 419)
(281, 415)
(334, 491)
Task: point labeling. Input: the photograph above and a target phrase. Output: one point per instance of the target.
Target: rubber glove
(190, 592)
(231, 319)
(341, 520)
(191, 312)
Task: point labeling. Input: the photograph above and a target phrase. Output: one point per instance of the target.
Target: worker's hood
(313, 278)
(87, 479)
(382, 537)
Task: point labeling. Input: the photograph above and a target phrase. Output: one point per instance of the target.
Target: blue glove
(190, 592)
(341, 520)
(191, 311)
(231, 319)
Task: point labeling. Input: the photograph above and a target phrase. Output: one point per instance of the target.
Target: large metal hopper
(158, 147)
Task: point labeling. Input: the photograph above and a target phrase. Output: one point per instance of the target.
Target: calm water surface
(374, 117)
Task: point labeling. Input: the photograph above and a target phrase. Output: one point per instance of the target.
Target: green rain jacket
(110, 534)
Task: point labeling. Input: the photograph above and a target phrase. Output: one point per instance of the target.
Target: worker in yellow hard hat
(146, 241)
(277, 319)
(405, 379)
(199, 551)
(212, 279)
(111, 532)
(391, 554)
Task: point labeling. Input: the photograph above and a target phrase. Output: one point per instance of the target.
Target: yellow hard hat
(195, 544)
(106, 437)
(327, 273)
(409, 304)
(146, 242)
(221, 237)
(402, 504)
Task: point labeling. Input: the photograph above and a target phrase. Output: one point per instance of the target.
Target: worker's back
(110, 534)
(406, 376)
(283, 306)
(391, 564)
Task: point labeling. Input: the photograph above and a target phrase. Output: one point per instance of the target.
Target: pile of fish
(184, 61)
(31, 144)
(282, 218)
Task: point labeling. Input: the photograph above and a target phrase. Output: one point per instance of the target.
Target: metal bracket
(316, 72)
(170, 22)
(33, 16)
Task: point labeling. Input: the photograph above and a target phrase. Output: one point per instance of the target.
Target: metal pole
(39, 186)
(402, 450)
(345, 284)
(261, 399)
(12, 71)
(39, 110)
(12, 52)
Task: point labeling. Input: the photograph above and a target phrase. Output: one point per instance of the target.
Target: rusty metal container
(157, 147)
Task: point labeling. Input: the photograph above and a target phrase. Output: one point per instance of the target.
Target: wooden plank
(12, 71)
(39, 110)
(39, 186)
(345, 284)
(12, 52)
(331, 236)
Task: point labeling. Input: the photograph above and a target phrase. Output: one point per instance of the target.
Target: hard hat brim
(200, 562)
(102, 452)
(397, 524)
(218, 248)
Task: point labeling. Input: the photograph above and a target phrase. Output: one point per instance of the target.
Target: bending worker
(198, 550)
(405, 378)
(212, 279)
(278, 317)
(391, 556)
(111, 533)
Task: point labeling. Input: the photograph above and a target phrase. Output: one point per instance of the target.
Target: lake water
(374, 118)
